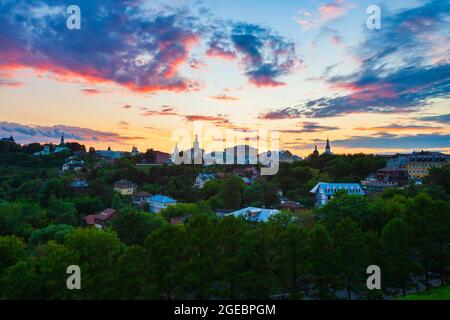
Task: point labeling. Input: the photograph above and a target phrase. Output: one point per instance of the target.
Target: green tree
(62, 212)
(52, 188)
(230, 194)
(12, 250)
(200, 253)
(52, 266)
(165, 249)
(30, 189)
(133, 274)
(440, 177)
(231, 251)
(97, 251)
(350, 254)
(22, 282)
(323, 270)
(421, 218)
(292, 257)
(10, 217)
(51, 232)
(133, 227)
(396, 241)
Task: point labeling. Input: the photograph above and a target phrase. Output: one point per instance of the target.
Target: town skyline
(309, 69)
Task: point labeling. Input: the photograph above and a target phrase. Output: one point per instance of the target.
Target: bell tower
(328, 147)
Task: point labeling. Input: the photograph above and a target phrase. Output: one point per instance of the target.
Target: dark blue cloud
(389, 141)
(265, 55)
(29, 133)
(445, 118)
(119, 42)
(310, 127)
(400, 70)
(126, 43)
(405, 90)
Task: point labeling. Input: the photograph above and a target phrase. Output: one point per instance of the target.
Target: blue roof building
(79, 183)
(325, 191)
(255, 214)
(159, 202)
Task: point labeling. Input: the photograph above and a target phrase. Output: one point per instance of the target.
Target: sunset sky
(139, 69)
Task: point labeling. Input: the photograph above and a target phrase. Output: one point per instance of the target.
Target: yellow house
(420, 163)
(125, 187)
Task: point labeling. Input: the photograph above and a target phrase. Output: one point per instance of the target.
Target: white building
(109, 154)
(204, 178)
(325, 191)
(43, 152)
(191, 156)
(73, 164)
(62, 146)
(158, 203)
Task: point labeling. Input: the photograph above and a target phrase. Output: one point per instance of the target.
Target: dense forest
(318, 253)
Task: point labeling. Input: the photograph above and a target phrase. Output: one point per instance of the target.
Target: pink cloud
(325, 13)
(224, 97)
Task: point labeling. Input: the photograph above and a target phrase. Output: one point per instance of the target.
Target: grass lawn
(435, 294)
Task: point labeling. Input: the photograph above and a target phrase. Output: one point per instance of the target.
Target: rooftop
(124, 184)
(331, 188)
(162, 199)
(291, 205)
(105, 214)
(255, 214)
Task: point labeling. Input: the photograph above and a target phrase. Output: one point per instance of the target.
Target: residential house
(44, 152)
(125, 187)
(79, 186)
(73, 165)
(396, 176)
(249, 175)
(101, 219)
(203, 178)
(140, 199)
(255, 214)
(325, 191)
(89, 221)
(372, 185)
(159, 202)
(292, 206)
(178, 220)
(420, 163)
